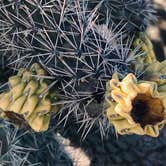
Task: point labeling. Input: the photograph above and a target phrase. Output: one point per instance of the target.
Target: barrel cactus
(80, 54)
(75, 48)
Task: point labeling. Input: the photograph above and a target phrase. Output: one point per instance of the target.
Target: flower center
(147, 110)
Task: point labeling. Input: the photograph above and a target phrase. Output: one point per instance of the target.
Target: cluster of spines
(22, 147)
(133, 15)
(65, 38)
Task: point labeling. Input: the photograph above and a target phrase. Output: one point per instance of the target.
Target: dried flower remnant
(135, 107)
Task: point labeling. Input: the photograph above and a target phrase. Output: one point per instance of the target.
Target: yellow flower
(135, 107)
(28, 100)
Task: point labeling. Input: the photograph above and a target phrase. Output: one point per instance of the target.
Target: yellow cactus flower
(28, 100)
(135, 107)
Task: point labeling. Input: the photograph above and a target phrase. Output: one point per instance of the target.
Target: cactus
(5, 73)
(70, 48)
(79, 44)
(133, 15)
(80, 54)
(22, 147)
